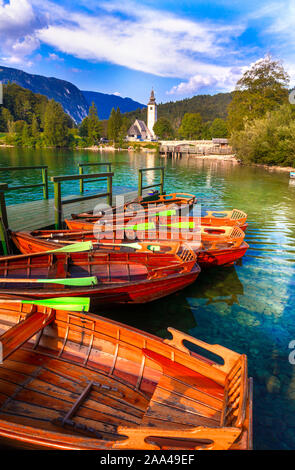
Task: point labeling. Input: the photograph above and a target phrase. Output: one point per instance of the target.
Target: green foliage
(115, 123)
(23, 104)
(6, 119)
(218, 129)
(210, 107)
(56, 131)
(263, 88)
(93, 125)
(163, 128)
(24, 115)
(269, 140)
(191, 126)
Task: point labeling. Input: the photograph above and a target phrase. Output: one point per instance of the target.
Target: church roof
(138, 128)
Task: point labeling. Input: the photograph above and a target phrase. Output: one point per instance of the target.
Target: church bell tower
(152, 114)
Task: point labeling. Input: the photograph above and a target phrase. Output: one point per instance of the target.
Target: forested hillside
(30, 119)
(209, 106)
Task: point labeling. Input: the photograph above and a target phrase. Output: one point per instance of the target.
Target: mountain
(209, 106)
(65, 93)
(105, 103)
(74, 101)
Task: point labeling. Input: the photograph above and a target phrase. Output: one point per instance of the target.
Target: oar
(73, 304)
(74, 248)
(136, 246)
(71, 281)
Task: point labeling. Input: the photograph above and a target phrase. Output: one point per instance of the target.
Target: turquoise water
(250, 307)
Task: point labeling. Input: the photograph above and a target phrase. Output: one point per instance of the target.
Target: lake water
(250, 307)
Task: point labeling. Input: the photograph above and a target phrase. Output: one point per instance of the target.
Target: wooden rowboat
(156, 203)
(214, 245)
(231, 218)
(71, 381)
(214, 249)
(104, 277)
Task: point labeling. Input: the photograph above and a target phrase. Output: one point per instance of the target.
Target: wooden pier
(185, 149)
(50, 212)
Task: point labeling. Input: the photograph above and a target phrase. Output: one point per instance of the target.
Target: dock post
(57, 205)
(139, 183)
(110, 190)
(162, 180)
(81, 171)
(4, 220)
(45, 182)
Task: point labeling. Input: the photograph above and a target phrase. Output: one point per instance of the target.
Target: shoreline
(226, 158)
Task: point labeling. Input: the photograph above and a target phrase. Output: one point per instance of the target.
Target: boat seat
(184, 397)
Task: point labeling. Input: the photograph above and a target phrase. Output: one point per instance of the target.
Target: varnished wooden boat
(214, 245)
(231, 218)
(209, 253)
(75, 381)
(108, 278)
(47, 240)
(151, 204)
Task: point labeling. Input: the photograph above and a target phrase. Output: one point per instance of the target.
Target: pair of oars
(72, 282)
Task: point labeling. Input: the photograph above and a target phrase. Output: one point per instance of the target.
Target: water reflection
(250, 307)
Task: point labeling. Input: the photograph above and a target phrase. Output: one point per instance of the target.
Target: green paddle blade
(74, 304)
(143, 226)
(167, 213)
(71, 281)
(180, 225)
(75, 248)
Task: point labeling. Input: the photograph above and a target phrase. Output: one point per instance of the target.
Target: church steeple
(152, 114)
(152, 98)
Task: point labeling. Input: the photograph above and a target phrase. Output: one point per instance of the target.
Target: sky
(179, 48)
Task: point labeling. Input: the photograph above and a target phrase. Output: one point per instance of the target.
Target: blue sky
(180, 48)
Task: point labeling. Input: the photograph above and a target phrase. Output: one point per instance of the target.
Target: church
(139, 129)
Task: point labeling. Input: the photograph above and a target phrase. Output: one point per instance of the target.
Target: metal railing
(59, 202)
(44, 173)
(81, 167)
(140, 180)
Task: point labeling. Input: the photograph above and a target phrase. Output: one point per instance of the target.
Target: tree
(93, 125)
(269, 140)
(6, 119)
(191, 126)
(163, 128)
(25, 139)
(114, 125)
(218, 129)
(56, 131)
(35, 131)
(262, 88)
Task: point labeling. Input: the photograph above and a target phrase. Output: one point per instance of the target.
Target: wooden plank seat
(201, 404)
(195, 404)
(53, 394)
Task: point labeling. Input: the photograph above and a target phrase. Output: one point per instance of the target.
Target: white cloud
(140, 38)
(199, 53)
(17, 21)
(116, 93)
(55, 57)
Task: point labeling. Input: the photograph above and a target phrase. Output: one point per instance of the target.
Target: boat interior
(85, 382)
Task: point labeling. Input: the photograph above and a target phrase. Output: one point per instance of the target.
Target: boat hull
(131, 293)
(26, 243)
(88, 383)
